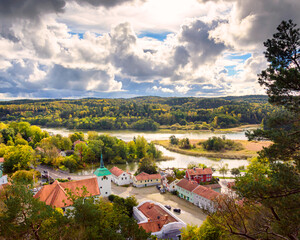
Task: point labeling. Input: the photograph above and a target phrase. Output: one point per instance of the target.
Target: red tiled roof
(199, 171)
(78, 141)
(212, 186)
(1, 160)
(116, 171)
(154, 226)
(156, 215)
(187, 185)
(145, 176)
(56, 195)
(206, 192)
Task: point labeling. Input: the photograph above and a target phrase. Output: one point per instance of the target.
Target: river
(180, 160)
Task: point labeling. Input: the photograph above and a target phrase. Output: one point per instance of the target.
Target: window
(100, 187)
(105, 192)
(122, 178)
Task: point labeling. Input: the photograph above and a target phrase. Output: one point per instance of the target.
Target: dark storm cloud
(30, 8)
(265, 16)
(77, 79)
(104, 3)
(200, 46)
(181, 56)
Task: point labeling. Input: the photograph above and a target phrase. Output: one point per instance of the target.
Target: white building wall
(203, 203)
(3, 180)
(123, 179)
(104, 183)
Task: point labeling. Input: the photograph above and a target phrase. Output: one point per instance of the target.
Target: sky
(128, 48)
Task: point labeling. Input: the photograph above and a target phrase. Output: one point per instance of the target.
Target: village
(166, 204)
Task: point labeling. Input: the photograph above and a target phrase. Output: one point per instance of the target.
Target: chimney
(151, 205)
(166, 217)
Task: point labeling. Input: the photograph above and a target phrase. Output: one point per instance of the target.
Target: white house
(120, 177)
(155, 218)
(104, 179)
(169, 183)
(203, 197)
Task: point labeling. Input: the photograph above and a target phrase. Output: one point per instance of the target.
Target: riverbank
(249, 150)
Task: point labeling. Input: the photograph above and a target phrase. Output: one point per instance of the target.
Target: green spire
(102, 171)
(101, 162)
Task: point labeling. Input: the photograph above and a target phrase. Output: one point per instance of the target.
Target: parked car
(168, 207)
(178, 210)
(162, 190)
(158, 187)
(45, 171)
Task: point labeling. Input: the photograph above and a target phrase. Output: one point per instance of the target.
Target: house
(120, 177)
(158, 220)
(203, 198)
(184, 189)
(216, 187)
(145, 179)
(56, 195)
(199, 174)
(169, 182)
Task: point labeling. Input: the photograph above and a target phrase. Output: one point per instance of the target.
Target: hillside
(140, 113)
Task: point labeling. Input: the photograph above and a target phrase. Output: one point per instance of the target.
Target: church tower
(104, 179)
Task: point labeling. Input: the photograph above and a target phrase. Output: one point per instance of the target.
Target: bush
(185, 143)
(174, 140)
(219, 144)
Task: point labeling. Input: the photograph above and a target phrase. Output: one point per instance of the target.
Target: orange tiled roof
(199, 171)
(187, 185)
(212, 186)
(156, 215)
(55, 194)
(116, 171)
(206, 192)
(1, 160)
(145, 176)
(154, 226)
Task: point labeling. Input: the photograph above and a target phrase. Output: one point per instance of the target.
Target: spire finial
(101, 162)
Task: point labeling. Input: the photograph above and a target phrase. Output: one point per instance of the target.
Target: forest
(140, 113)
(23, 146)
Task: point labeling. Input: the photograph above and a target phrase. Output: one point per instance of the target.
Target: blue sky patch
(231, 70)
(242, 57)
(159, 36)
(80, 35)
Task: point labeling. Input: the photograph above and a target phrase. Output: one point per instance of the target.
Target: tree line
(142, 113)
(23, 146)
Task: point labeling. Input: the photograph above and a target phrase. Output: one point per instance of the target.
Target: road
(190, 214)
(60, 174)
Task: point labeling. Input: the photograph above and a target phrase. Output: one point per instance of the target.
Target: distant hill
(140, 113)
